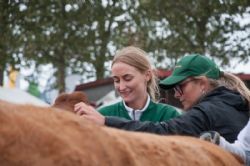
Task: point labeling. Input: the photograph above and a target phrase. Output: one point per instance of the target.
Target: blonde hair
(234, 83)
(137, 58)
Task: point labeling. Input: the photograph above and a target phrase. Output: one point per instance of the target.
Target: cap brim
(171, 81)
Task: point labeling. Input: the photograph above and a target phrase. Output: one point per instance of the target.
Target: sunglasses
(179, 88)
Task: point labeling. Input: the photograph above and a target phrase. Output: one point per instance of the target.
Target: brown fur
(37, 136)
(67, 101)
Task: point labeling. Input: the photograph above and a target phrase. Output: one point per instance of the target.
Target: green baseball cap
(191, 66)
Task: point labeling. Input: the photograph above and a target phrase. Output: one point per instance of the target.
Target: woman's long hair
(232, 82)
(137, 58)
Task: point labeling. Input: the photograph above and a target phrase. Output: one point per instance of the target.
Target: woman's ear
(204, 84)
(148, 75)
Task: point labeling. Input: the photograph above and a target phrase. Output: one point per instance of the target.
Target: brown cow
(31, 135)
(67, 101)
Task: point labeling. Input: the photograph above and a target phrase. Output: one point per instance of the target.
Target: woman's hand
(89, 112)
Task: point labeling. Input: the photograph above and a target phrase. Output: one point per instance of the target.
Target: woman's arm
(235, 148)
(192, 123)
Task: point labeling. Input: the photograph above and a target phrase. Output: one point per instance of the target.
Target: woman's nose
(122, 85)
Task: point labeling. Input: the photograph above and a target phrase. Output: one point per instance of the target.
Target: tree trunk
(99, 63)
(3, 33)
(100, 69)
(1, 76)
(60, 75)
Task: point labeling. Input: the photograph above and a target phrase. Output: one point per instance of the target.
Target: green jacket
(156, 112)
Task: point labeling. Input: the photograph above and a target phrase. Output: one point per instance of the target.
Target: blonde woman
(136, 83)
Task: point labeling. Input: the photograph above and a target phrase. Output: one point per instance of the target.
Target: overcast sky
(237, 67)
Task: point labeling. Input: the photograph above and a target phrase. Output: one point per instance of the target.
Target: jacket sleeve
(192, 123)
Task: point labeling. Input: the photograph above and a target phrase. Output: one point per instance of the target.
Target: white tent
(20, 97)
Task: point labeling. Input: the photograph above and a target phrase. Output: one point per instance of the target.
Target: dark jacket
(221, 110)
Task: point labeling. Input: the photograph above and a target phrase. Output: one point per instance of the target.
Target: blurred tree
(70, 33)
(174, 28)
(106, 29)
(10, 40)
(54, 33)
(80, 36)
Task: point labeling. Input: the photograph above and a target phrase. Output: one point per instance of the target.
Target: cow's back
(42, 136)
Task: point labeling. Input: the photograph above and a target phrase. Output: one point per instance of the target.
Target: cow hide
(40, 136)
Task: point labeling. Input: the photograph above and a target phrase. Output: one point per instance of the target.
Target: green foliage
(204, 27)
(72, 33)
(68, 33)
(10, 40)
